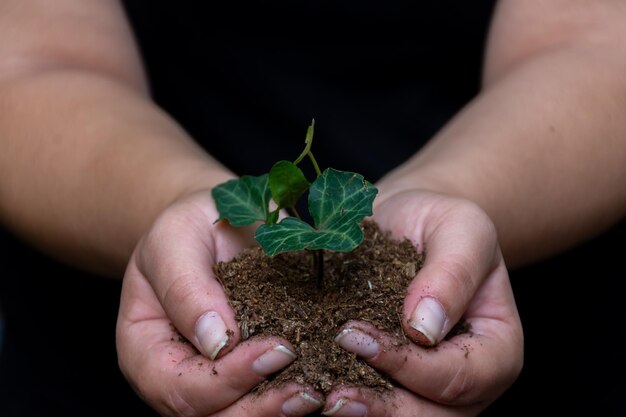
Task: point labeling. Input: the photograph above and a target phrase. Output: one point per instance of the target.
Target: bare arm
(542, 149)
(87, 159)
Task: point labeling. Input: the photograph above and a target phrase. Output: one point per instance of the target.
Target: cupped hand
(177, 338)
(464, 277)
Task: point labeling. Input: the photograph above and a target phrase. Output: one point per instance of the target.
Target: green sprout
(338, 201)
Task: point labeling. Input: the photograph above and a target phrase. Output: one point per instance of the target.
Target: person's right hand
(177, 338)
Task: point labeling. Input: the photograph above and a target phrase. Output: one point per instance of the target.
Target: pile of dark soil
(280, 296)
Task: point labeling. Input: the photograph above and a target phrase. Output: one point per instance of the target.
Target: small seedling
(338, 201)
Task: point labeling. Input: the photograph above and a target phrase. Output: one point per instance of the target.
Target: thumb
(461, 251)
(176, 257)
(460, 246)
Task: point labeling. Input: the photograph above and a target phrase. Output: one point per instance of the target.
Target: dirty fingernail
(347, 408)
(300, 404)
(212, 333)
(429, 319)
(273, 360)
(358, 342)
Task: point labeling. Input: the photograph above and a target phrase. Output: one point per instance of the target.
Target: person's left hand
(463, 277)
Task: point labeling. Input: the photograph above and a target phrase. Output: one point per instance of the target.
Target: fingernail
(429, 319)
(273, 360)
(358, 342)
(300, 404)
(212, 333)
(347, 408)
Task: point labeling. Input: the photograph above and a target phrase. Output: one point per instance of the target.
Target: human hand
(177, 338)
(464, 276)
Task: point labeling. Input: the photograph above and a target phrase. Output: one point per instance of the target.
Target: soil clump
(280, 296)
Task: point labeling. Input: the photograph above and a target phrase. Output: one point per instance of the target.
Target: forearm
(541, 149)
(88, 163)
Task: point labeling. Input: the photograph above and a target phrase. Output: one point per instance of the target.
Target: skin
(517, 175)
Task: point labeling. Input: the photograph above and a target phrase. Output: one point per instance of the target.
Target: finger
(468, 368)
(290, 400)
(177, 258)
(360, 402)
(461, 250)
(171, 375)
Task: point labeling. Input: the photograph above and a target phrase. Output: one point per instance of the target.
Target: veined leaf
(338, 202)
(243, 201)
(287, 183)
(294, 234)
(338, 198)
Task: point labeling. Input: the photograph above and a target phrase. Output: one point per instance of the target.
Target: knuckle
(163, 397)
(178, 406)
(396, 363)
(236, 386)
(458, 270)
(459, 388)
(167, 400)
(179, 288)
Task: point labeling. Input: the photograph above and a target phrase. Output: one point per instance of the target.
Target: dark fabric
(59, 355)
(245, 78)
(378, 79)
(572, 309)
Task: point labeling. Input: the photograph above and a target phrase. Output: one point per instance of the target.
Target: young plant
(338, 201)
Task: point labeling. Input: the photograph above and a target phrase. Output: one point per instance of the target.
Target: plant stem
(318, 262)
(314, 162)
(307, 149)
(295, 213)
(318, 255)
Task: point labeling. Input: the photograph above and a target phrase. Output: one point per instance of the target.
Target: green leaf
(243, 201)
(287, 183)
(338, 199)
(338, 202)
